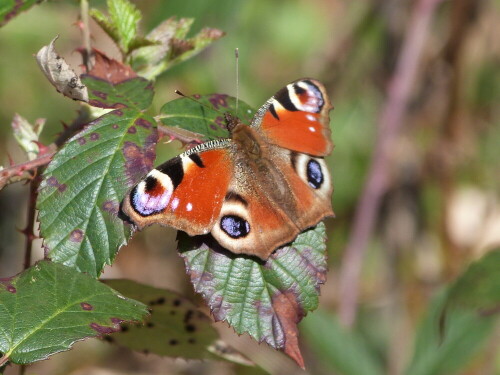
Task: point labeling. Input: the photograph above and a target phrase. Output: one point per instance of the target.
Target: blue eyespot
(314, 174)
(234, 226)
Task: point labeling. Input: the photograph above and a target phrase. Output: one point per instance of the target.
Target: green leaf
(264, 299)
(205, 115)
(48, 307)
(11, 8)
(478, 289)
(135, 93)
(337, 347)
(122, 23)
(82, 188)
(170, 46)
(446, 351)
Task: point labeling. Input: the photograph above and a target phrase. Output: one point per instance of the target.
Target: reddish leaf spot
(132, 130)
(143, 123)
(81, 141)
(52, 181)
(213, 127)
(111, 207)
(115, 126)
(11, 289)
(118, 113)
(94, 136)
(76, 235)
(218, 100)
(86, 306)
(102, 329)
(117, 320)
(197, 96)
(97, 103)
(100, 94)
(139, 161)
(62, 188)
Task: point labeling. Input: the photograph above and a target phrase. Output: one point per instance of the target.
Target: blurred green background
(441, 209)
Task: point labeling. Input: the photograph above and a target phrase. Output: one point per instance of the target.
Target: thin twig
(23, 170)
(390, 124)
(84, 10)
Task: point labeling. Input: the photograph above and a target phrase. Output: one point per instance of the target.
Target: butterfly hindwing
(296, 118)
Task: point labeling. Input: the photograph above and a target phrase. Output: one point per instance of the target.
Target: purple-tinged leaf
(265, 299)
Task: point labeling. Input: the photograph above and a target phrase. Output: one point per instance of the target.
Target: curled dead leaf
(60, 74)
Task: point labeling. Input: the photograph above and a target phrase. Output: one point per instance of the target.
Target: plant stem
(389, 126)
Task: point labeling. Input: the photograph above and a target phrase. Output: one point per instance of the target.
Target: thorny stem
(390, 124)
(84, 10)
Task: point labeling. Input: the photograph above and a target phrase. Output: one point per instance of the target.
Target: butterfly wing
(265, 210)
(186, 192)
(296, 118)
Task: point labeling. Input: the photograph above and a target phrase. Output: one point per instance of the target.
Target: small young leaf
(48, 307)
(170, 46)
(60, 74)
(82, 188)
(122, 23)
(27, 135)
(11, 8)
(205, 115)
(265, 299)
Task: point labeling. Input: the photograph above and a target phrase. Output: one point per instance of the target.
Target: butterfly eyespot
(314, 174)
(234, 226)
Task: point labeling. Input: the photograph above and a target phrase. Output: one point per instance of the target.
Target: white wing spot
(175, 203)
(310, 117)
(312, 129)
(189, 206)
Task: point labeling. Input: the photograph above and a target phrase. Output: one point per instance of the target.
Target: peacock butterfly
(254, 191)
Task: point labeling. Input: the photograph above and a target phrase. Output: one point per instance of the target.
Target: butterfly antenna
(237, 57)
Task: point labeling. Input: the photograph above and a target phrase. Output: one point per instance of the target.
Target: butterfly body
(255, 191)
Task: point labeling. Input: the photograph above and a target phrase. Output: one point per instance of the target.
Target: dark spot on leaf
(188, 316)
(94, 136)
(139, 161)
(52, 181)
(62, 188)
(11, 289)
(150, 324)
(117, 320)
(124, 328)
(76, 235)
(177, 302)
(159, 301)
(132, 130)
(218, 100)
(192, 341)
(213, 127)
(97, 103)
(81, 141)
(221, 123)
(111, 207)
(150, 86)
(100, 94)
(143, 123)
(102, 329)
(86, 306)
(118, 113)
(190, 328)
(115, 126)
(173, 342)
